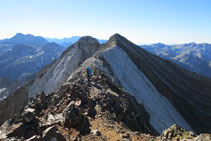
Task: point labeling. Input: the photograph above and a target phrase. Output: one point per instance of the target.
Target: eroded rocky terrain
(81, 110)
(99, 110)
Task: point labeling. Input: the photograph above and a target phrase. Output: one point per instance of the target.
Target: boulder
(17, 130)
(176, 131)
(78, 103)
(73, 118)
(98, 109)
(52, 134)
(96, 132)
(28, 115)
(33, 138)
(91, 112)
(126, 135)
(203, 137)
(72, 115)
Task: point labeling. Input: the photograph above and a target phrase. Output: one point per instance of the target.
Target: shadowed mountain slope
(187, 91)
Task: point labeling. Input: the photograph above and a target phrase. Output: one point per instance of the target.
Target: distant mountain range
(28, 39)
(23, 55)
(66, 42)
(192, 56)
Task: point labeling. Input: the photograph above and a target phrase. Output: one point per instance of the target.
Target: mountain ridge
(67, 42)
(191, 56)
(25, 54)
(168, 92)
(26, 39)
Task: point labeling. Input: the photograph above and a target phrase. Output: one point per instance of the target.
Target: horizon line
(137, 43)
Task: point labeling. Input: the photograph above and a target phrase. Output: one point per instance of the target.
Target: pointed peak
(87, 38)
(191, 44)
(116, 37)
(85, 42)
(119, 39)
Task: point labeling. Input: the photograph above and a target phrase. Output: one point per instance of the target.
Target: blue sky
(141, 21)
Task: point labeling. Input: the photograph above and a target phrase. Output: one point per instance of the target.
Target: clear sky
(141, 21)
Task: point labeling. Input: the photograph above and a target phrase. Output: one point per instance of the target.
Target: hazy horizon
(107, 39)
(141, 21)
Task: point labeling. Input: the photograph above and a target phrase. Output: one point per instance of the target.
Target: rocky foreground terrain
(99, 110)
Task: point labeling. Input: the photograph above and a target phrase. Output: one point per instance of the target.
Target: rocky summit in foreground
(80, 110)
(133, 95)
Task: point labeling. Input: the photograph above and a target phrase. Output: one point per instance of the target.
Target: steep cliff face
(188, 92)
(58, 72)
(163, 114)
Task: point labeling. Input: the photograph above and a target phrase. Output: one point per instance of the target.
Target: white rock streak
(59, 72)
(162, 113)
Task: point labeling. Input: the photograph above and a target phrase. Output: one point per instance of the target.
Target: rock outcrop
(74, 107)
(176, 132)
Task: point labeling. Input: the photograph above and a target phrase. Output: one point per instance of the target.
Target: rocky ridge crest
(75, 107)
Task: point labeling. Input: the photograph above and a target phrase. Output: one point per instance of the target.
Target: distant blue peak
(159, 44)
(22, 35)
